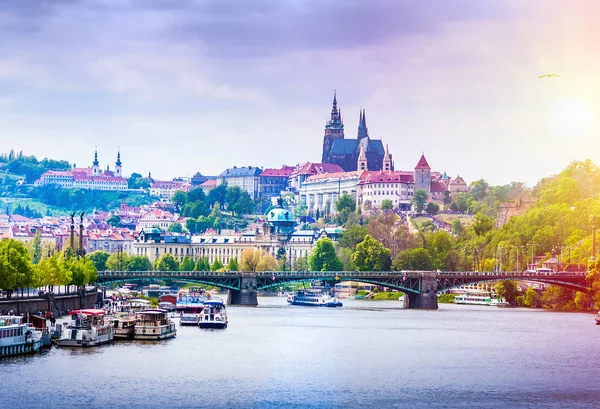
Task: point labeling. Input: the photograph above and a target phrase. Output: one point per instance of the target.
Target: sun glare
(571, 118)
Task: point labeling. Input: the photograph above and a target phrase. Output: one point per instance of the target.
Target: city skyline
(206, 86)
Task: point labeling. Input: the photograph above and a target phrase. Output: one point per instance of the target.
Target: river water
(365, 354)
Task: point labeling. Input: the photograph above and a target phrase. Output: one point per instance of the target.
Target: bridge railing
(511, 274)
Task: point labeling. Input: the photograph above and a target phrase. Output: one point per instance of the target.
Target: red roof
(309, 168)
(284, 171)
(209, 183)
(392, 176)
(422, 163)
(90, 311)
(438, 187)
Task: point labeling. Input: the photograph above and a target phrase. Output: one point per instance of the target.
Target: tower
(362, 159)
(387, 160)
(118, 164)
(334, 129)
(95, 164)
(423, 175)
(363, 132)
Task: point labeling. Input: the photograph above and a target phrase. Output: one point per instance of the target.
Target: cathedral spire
(96, 163)
(387, 160)
(363, 132)
(362, 159)
(118, 162)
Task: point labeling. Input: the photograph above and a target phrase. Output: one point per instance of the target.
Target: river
(365, 354)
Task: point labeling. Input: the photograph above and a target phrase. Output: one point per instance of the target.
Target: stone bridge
(420, 287)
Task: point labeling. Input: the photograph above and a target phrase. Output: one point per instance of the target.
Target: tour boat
(18, 338)
(153, 324)
(316, 298)
(190, 308)
(479, 299)
(123, 324)
(86, 329)
(214, 315)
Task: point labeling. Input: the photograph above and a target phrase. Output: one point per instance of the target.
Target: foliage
(138, 263)
(36, 248)
(301, 264)
(29, 166)
(507, 289)
(99, 258)
(82, 271)
(345, 206)
(393, 234)
(175, 228)
(387, 296)
(352, 236)
(419, 199)
(446, 298)
(532, 298)
(114, 220)
(253, 260)
(432, 208)
(15, 265)
(187, 264)
(216, 265)
(232, 265)
(387, 204)
(413, 259)
(117, 261)
(166, 263)
(323, 257)
(371, 255)
(482, 224)
(87, 199)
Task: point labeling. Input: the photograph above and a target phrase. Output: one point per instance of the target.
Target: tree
(117, 261)
(166, 263)
(82, 271)
(432, 208)
(323, 257)
(387, 204)
(216, 265)
(217, 196)
(393, 234)
(202, 264)
(352, 236)
(138, 263)
(175, 228)
(36, 248)
(507, 289)
(532, 298)
(232, 265)
(114, 220)
(179, 198)
(244, 205)
(345, 206)
(482, 224)
(253, 260)
(15, 265)
(99, 258)
(187, 264)
(300, 264)
(457, 227)
(413, 259)
(371, 255)
(419, 199)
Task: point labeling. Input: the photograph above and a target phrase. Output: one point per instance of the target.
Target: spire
(387, 159)
(118, 163)
(96, 163)
(422, 163)
(362, 158)
(363, 132)
(334, 126)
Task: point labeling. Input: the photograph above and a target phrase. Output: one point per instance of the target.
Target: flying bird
(549, 76)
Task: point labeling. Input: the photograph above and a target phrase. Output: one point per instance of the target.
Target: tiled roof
(340, 175)
(388, 176)
(209, 183)
(438, 187)
(284, 171)
(244, 171)
(422, 163)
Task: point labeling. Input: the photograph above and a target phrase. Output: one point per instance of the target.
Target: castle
(347, 153)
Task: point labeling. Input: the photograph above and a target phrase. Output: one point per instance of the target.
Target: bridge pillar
(428, 297)
(247, 295)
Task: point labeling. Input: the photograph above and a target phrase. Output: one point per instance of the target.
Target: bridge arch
(445, 284)
(409, 287)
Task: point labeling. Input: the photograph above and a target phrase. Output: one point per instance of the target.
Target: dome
(280, 215)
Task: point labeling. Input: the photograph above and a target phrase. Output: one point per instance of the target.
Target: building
(156, 218)
(247, 178)
(273, 181)
(166, 189)
(305, 170)
(208, 185)
(512, 208)
(92, 178)
(111, 240)
(395, 186)
(457, 185)
(345, 152)
(321, 191)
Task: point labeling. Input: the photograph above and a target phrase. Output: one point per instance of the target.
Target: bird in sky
(549, 76)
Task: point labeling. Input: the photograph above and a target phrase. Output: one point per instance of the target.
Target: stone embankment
(57, 304)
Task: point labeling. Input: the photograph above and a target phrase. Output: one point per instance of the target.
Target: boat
(189, 308)
(317, 298)
(153, 324)
(214, 315)
(86, 329)
(479, 299)
(123, 324)
(17, 337)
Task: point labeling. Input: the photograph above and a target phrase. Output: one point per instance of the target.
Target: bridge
(420, 287)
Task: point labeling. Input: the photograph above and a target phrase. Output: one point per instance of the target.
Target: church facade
(344, 152)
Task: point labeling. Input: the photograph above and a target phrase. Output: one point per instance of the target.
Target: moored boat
(153, 324)
(189, 308)
(214, 315)
(314, 298)
(86, 329)
(17, 338)
(479, 299)
(123, 324)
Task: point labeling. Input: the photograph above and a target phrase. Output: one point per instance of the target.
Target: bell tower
(118, 167)
(334, 129)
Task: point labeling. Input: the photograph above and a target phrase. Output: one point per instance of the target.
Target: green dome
(280, 215)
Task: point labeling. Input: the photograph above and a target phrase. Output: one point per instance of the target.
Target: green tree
(413, 259)
(244, 205)
(507, 289)
(187, 264)
(82, 271)
(15, 265)
(387, 204)
(419, 199)
(232, 265)
(99, 258)
(36, 248)
(345, 256)
(323, 257)
(138, 263)
(216, 265)
(175, 228)
(432, 208)
(114, 220)
(457, 227)
(166, 263)
(532, 298)
(345, 206)
(371, 255)
(352, 236)
(300, 264)
(482, 224)
(179, 199)
(117, 261)
(253, 260)
(202, 264)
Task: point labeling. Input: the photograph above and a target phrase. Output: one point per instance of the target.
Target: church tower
(362, 159)
(363, 132)
(96, 164)
(387, 160)
(334, 129)
(423, 175)
(118, 164)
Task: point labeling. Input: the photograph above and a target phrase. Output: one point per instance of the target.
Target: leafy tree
(175, 228)
(413, 259)
(532, 298)
(393, 234)
(352, 236)
(419, 199)
(387, 204)
(196, 195)
(187, 264)
(36, 248)
(253, 260)
(345, 206)
(114, 220)
(371, 255)
(217, 196)
(345, 256)
(166, 263)
(15, 265)
(179, 198)
(99, 258)
(216, 265)
(117, 261)
(457, 227)
(432, 208)
(138, 263)
(232, 265)
(482, 224)
(507, 289)
(323, 257)
(300, 264)
(82, 271)
(244, 205)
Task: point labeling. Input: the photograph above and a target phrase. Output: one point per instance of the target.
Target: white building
(247, 178)
(166, 189)
(323, 190)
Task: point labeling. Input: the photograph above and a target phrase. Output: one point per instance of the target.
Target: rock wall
(59, 305)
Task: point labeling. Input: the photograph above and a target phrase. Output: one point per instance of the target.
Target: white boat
(17, 338)
(153, 324)
(214, 315)
(86, 329)
(123, 324)
(479, 299)
(316, 298)
(190, 309)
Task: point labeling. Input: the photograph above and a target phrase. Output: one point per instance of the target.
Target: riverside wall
(58, 305)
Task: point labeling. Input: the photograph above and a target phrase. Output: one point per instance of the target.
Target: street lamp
(533, 246)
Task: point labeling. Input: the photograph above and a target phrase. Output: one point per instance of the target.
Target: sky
(192, 86)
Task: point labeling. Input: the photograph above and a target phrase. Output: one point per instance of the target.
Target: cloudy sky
(201, 85)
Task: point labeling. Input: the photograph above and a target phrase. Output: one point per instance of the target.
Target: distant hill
(29, 167)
